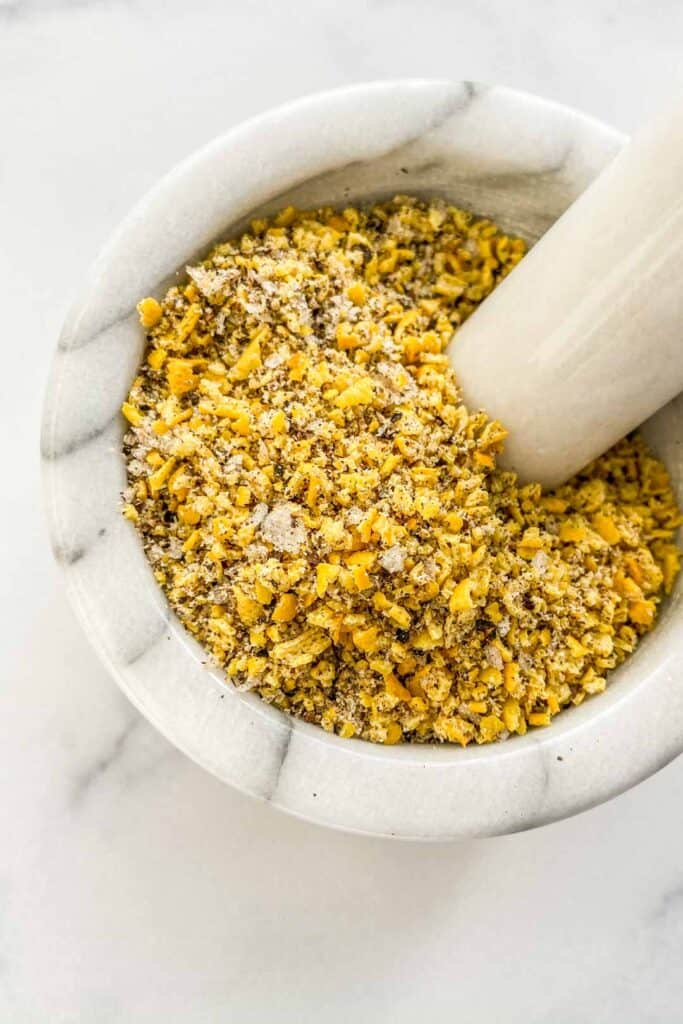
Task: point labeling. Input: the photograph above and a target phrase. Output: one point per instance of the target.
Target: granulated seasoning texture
(325, 515)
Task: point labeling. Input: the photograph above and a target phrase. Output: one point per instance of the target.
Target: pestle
(584, 339)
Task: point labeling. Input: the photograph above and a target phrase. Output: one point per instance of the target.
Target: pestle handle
(584, 340)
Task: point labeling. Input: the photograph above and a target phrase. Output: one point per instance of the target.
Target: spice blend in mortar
(325, 515)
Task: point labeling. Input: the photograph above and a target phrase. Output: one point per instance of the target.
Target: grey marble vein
(145, 645)
(281, 759)
(85, 781)
(69, 552)
(49, 451)
(68, 555)
(670, 904)
(70, 340)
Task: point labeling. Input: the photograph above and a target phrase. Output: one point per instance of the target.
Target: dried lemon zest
(132, 414)
(149, 311)
(325, 515)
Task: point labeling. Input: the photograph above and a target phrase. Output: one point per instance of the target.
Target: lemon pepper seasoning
(326, 516)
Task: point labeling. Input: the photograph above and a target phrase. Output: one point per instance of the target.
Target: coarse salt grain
(259, 514)
(393, 559)
(282, 530)
(276, 359)
(255, 552)
(540, 561)
(493, 656)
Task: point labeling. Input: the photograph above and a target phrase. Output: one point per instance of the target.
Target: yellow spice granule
(326, 516)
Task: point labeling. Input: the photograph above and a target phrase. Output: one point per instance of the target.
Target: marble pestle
(584, 340)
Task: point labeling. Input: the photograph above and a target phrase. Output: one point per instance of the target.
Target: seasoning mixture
(325, 515)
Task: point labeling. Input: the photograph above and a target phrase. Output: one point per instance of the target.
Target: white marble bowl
(514, 157)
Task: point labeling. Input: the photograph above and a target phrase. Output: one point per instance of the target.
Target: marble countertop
(134, 887)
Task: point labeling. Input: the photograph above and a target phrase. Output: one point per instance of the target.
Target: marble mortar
(513, 157)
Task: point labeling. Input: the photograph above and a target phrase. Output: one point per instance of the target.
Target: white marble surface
(133, 886)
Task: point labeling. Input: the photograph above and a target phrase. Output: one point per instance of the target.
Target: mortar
(513, 157)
